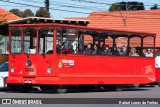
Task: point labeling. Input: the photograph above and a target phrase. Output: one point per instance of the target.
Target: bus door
(46, 52)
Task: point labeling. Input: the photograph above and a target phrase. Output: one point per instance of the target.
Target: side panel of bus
(103, 70)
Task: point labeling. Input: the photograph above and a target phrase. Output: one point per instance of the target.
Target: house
(142, 20)
(5, 17)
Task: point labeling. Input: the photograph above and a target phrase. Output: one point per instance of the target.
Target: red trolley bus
(60, 55)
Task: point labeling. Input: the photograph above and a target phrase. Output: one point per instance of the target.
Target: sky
(60, 9)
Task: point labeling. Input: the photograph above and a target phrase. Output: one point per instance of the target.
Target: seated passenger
(65, 49)
(106, 51)
(133, 52)
(58, 48)
(149, 53)
(115, 51)
(95, 50)
(72, 50)
(88, 49)
(143, 53)
(123, 51)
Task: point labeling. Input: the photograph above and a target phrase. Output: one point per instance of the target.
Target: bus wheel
(159, 83)
(24, 88)
(86, 88)
(117, 87)
(136, 85)
(12, 87)
(61, 89)
(45, 87)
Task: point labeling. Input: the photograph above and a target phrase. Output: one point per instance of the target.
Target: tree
(47, 4)
(42, 12)
(17, 12)
(130, 6)
(154, 7)
(27, 13)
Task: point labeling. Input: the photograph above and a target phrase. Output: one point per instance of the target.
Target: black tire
(12, 87)
(159, 83)
(136, 85)
(46, 87)
(117, 87)
(86, 88)
(24, 88)
(61, 89)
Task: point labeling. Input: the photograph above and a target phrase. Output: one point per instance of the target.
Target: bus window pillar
(154, 47)
(99, 44)
(114, 42)
(142, 43)
(82, 42)
(22, 40)
(128, 45)
(54, 41)
(37, 34)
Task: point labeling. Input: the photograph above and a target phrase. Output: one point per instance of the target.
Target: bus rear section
(57, 56)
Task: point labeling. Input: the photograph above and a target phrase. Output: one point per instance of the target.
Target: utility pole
(47, 5)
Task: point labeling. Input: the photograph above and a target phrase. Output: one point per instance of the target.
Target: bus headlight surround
(49, 70)
(12, 69)
(29, 63)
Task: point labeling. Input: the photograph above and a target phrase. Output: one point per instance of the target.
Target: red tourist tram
(61, 55)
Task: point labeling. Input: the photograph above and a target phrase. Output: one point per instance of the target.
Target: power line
(41, 6)
(75, 11)
(93, 2)
(62, 4)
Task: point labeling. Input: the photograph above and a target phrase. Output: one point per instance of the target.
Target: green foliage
(17, 12)
(130, 6)
(154, 7)
(27, 13)
(42, 12)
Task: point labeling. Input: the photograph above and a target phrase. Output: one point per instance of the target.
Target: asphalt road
(143, 92)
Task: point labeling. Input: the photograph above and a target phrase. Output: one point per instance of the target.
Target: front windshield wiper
(43, 55)
(13, 55)
(27, 55)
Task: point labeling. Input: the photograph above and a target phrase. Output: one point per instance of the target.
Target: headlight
(29, 63)
(49, 70)
(12, 69)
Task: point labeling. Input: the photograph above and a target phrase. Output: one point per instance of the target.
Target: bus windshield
(16, 41)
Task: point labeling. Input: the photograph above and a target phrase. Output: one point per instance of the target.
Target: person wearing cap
(149, 53)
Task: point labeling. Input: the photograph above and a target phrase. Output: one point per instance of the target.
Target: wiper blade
(43, 55)
(13, 55)
(27, 55)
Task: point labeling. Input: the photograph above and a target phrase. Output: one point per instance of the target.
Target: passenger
(143, 53)
(133, 52)
(123, 51)
(72, 50)
(149, 53)
(58, 48)
(95, 50)
(65, 49)
(106, 51)
(115, 51)
(88, 49)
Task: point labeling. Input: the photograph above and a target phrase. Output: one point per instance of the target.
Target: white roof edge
(45, 18)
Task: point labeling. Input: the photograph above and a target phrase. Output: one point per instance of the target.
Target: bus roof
(85, 27)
